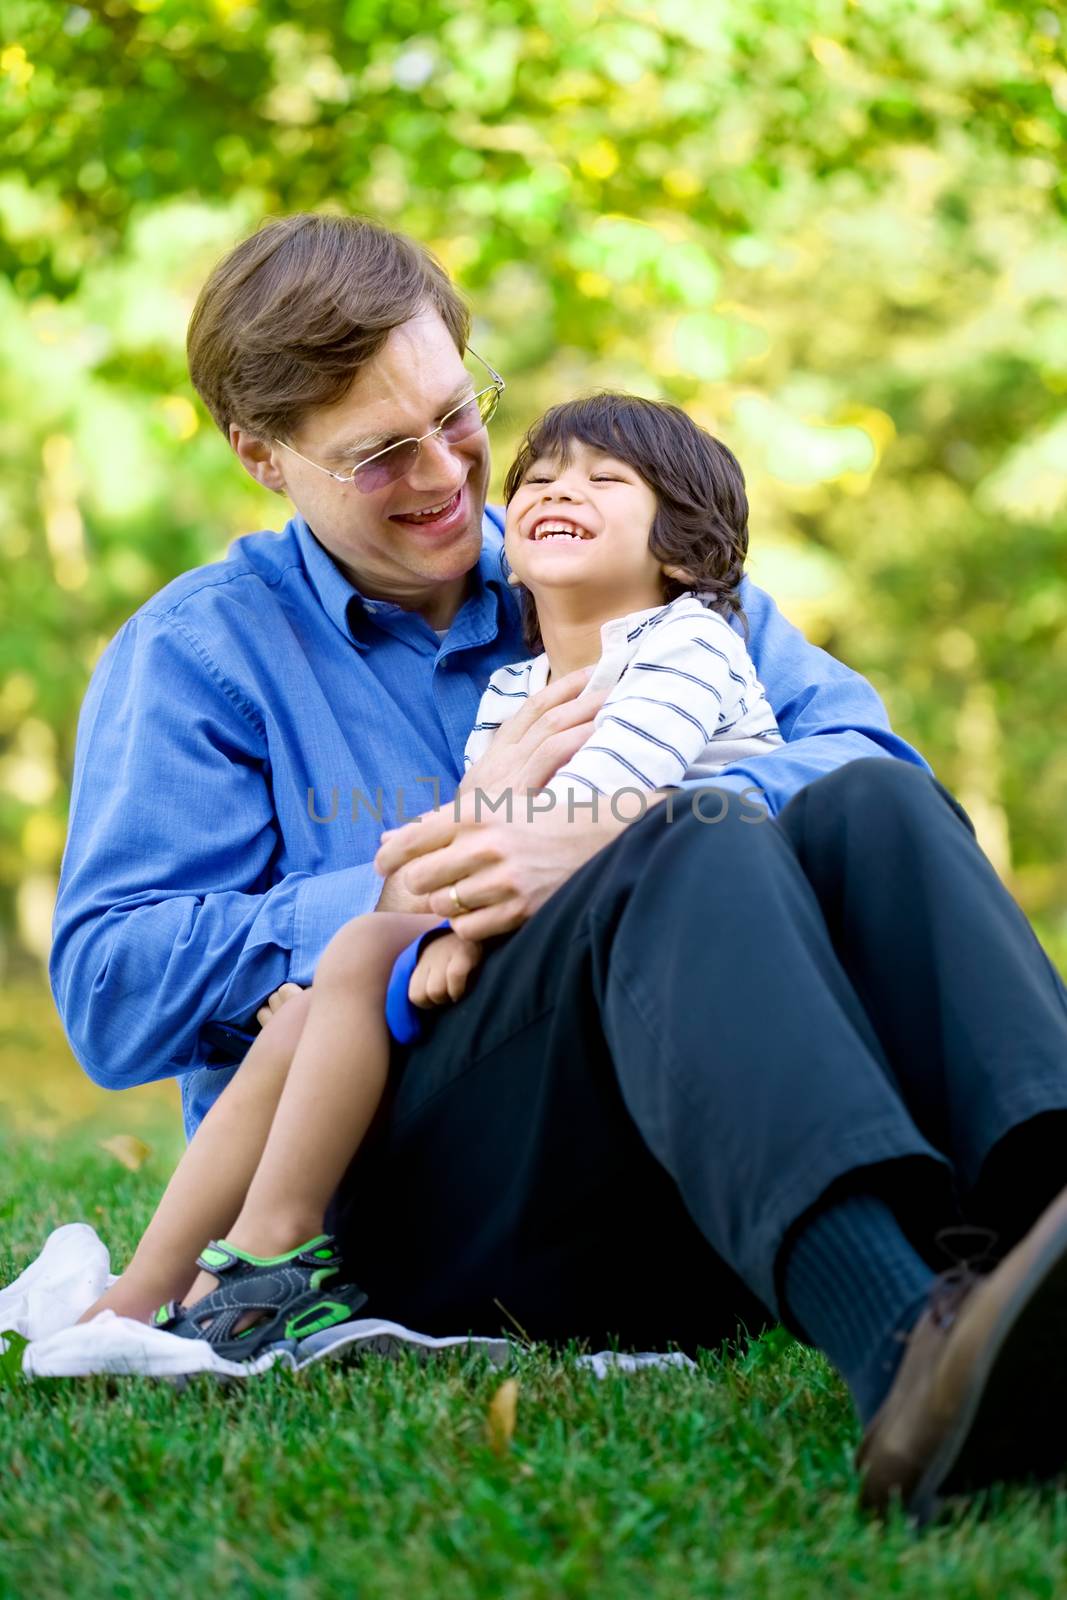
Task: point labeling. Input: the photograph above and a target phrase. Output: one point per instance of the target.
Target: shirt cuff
(735, 783)
(404, 1020)
(324, 904)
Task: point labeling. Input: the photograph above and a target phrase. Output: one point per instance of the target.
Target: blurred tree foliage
(835, 231)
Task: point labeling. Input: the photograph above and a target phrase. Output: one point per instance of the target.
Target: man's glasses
(396, 460)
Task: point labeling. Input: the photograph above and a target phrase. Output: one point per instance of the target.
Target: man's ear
(258, 458)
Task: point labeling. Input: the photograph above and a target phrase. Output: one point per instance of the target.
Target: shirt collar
(346, 606)
(615, 639)
(621, 628)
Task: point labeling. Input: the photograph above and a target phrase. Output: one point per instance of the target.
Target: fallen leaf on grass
(500, 1419)
(130, 1151)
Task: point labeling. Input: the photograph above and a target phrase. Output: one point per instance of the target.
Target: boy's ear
(678, 573)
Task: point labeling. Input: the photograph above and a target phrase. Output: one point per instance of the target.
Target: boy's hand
(276, 1000)
(442, 970)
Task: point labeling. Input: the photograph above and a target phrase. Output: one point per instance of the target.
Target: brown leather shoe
(981, 1394)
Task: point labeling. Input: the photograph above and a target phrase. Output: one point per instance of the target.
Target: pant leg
(968, 1008)
(668, 1055)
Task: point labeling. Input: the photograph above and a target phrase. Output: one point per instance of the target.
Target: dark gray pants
(700, 1036)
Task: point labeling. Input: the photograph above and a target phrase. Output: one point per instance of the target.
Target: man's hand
(442, 970)
(397, 895)
(526, 752)
(502, 870)
(541, 737)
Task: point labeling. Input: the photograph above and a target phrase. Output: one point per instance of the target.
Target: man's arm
(827, 713)
(166, 916)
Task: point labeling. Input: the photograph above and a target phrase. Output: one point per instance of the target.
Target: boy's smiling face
(584, 523)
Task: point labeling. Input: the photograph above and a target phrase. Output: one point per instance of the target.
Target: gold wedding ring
(457, 903)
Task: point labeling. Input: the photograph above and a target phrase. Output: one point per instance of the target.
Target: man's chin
(457, 551)
(443, 566)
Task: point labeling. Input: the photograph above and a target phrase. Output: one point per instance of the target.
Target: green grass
(378, 1480)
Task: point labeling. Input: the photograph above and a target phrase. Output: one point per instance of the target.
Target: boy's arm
(827, 713)
(166, 917)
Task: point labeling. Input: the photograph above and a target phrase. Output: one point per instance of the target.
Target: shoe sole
(1012, 1423)
(349, 1341)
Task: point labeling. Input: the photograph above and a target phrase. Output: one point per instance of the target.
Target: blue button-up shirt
(245, 738)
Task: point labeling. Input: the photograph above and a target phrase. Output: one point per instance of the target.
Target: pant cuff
(875, 1146)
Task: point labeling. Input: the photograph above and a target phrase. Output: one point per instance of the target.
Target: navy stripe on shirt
(605, 750)
(577, 777)
(675, 672)
(669, 705)
(736, 676)
(651, 737)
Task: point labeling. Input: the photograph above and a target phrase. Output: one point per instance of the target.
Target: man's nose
(436, 466)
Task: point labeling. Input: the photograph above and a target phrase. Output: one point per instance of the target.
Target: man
(712, 1067)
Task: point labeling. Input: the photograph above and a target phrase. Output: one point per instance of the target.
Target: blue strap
(404, 1020)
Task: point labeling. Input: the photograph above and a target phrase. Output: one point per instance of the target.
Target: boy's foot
(264, 1301)
(981, 1395)
(275, 1001)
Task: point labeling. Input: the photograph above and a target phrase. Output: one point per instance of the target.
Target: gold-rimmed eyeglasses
(391, 464)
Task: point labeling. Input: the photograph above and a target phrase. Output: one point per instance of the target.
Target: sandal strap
(217, 1258)
(165, 1315)
(220, 1258)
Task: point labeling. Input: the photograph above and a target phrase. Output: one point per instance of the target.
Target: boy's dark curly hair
(701, 521)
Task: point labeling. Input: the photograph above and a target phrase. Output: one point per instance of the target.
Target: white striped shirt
(684, 702)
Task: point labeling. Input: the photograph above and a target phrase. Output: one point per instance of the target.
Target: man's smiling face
(384, 541)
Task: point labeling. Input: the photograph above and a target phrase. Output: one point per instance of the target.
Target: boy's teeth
(565, 530)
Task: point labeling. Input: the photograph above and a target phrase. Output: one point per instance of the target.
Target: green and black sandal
(284, 1295)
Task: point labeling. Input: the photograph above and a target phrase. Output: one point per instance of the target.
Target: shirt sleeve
(827, 713)
(689, 677)
(170, 913)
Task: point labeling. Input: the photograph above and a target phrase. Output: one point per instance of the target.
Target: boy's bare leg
(331, 1093)
(212, 1177)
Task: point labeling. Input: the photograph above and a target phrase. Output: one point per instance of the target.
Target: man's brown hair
(287, 319)
(701, 521)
